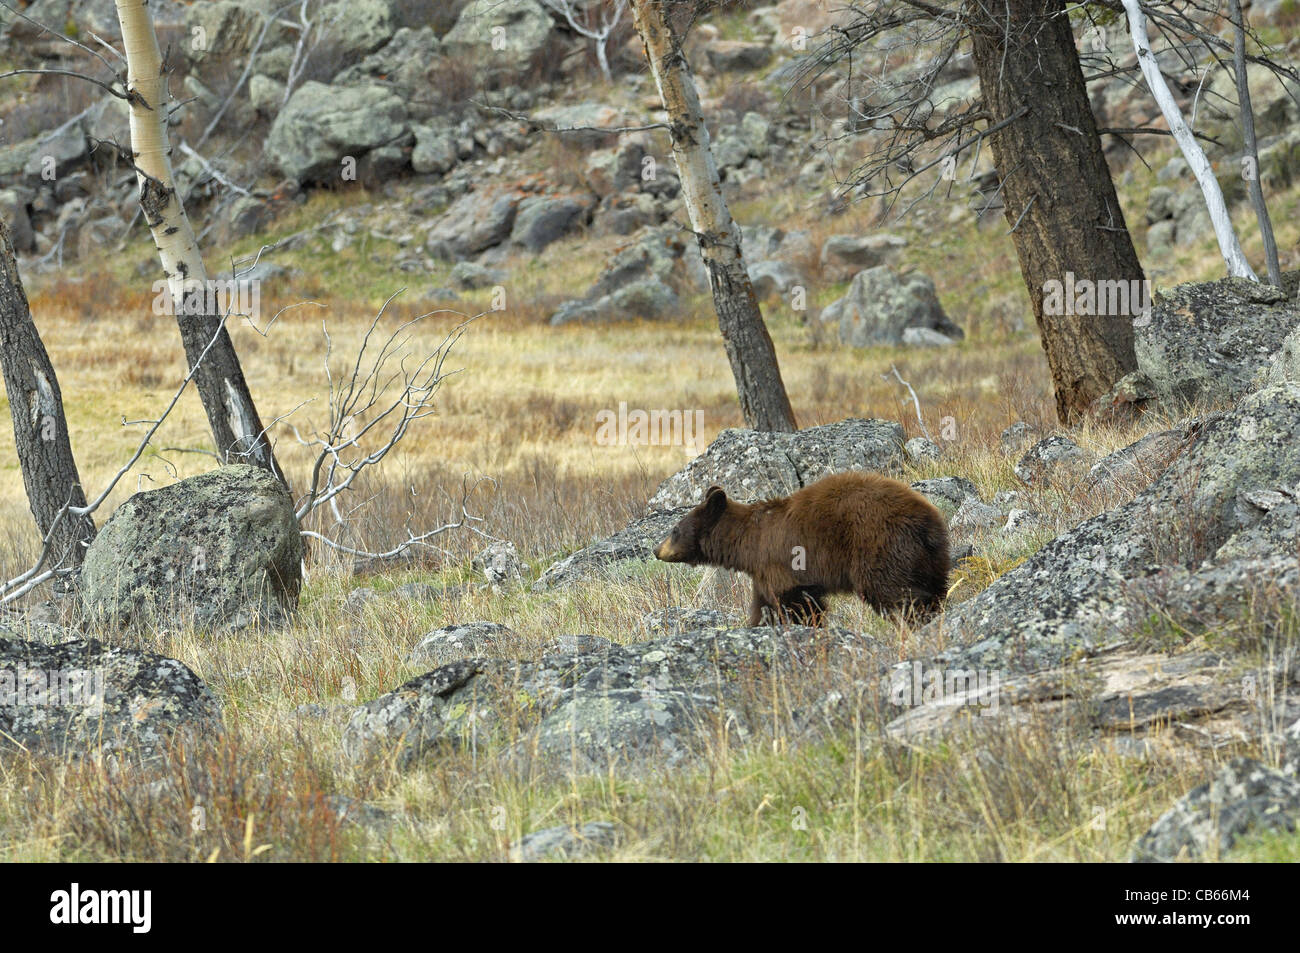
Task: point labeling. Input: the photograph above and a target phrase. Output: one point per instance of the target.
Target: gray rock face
(631, 705)
(1056, 461)
(973, 515)
(774, 277)
(452, 643)
(401, 62)
(634, 543)
(476, 221)
(641, 279)
(843, 256)
(919, 449)
(358, 27)
(524, 28)
(647, 299)
(565, 843)
(1286, 362)
(1228, 496)
(1138, 463)
(435, 150)
(1244, 796)
(673, 620)
(1205, 343)
(220, 550)
(321, 125)
(757, 465)
(543, 219)
(80, 697)
(947, 493)
(881, 304)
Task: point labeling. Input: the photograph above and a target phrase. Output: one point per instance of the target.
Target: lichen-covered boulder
(322, 125)
(759, 465)
(653, 702)
(1218, 511)
(1244, 796)
(1206, 342)
(84, 697)
(220, 550)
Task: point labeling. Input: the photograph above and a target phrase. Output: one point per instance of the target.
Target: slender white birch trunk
(1229, 247)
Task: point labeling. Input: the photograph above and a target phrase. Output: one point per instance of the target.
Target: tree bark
(1252, 147)
(1066, 221)
(763, 398)
(40, 430)
(232, 416)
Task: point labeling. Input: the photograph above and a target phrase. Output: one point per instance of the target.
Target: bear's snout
(664, 551)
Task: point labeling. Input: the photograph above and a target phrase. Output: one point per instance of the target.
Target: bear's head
(683, 543)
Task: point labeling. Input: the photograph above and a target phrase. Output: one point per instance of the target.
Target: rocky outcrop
(1245, 796)
(1206, 343)
(632, 545)
(221, 550)
(85, 698)
(1229, 496)
(322, 125)
(648, 703)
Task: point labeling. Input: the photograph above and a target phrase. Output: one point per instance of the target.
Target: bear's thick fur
(851, 532)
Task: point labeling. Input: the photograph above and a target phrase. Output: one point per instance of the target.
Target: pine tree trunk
(763, 399)
(236, 426)
(40, 429)
(1057, 189)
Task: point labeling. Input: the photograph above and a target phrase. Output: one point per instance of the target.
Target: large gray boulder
(647, 299)
(1245, 796)
(84, 697)
(357, 27)
(648, 703)
(843, 256)
(501, 36)
(401, 63)
(476, 221)
(322, 125)
(543, 219)
(881, 304)
(758, 465)
(1205, 343)
(641, 279)
(219, 550)
(1221, 511)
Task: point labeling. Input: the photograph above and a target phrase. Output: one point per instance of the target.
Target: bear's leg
(757, 604)
(802, 606)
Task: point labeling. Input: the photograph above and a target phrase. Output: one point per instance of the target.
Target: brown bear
(851, 532)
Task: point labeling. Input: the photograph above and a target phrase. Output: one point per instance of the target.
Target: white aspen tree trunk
(1229, 247)
(236, 426)
(762, 393)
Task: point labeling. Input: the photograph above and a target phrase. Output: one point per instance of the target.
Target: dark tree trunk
(1057, 190)
(40, 430)
(763, 398)
(236, 425)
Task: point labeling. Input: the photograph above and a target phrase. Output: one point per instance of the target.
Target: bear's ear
(715, 501)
